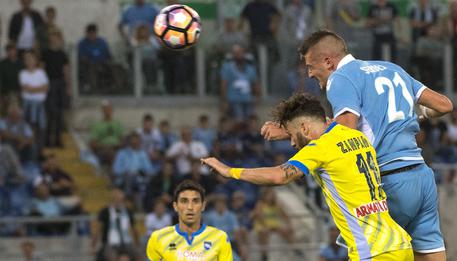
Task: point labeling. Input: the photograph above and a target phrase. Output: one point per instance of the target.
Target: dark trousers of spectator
(134, 187)
(270, 43)
(241, 110)
(379, 41)
(103, 77)
(273, 55)
(149, 67)
(178, 68)
(55, 110)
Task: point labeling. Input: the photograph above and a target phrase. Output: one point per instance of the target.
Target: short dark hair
(203, 118)
(50, 9)
(188, 184)
(91, 28)
(31, 52)
(298, 105)
(316, 37)
(148, 117)
(164, 123)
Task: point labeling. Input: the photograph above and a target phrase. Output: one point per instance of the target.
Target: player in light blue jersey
(378, 98)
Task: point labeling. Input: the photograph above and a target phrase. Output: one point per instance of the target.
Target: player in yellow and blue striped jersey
(343, 163)
(189, 239)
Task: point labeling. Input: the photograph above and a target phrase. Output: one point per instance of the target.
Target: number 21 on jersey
(392, 112)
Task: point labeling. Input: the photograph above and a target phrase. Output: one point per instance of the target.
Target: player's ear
(304, 129)
(329, 64)
(175, 206)
(204, 205)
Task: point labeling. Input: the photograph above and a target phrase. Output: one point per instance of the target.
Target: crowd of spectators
(34, 91)
(35, 76)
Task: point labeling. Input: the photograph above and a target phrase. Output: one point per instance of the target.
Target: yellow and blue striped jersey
(343, 163)
(172, 244)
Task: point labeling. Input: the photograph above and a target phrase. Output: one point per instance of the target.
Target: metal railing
(135, 85)
(76, 244)
(201, 82)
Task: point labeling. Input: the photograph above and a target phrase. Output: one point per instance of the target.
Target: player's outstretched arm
(273, 131)
(278, 175)
(434, 104)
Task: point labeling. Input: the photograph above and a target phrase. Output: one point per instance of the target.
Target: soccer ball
(177, 26)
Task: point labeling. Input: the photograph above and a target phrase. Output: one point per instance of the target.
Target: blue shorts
(413, 203)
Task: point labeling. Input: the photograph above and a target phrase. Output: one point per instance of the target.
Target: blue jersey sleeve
(343, 95)
(418, 88)
(308, 159)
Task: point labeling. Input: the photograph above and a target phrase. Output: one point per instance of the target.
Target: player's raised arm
(434, 104)
(278, 175)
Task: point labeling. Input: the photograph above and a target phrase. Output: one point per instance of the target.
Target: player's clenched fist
(218, 166)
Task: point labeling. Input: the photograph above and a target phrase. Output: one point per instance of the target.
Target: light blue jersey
(383, 95)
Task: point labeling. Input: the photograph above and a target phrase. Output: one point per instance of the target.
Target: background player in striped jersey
(343, 163)
(189, 239)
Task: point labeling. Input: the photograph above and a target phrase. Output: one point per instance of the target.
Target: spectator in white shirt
(34, 85)
(157, 219)
(186, 150)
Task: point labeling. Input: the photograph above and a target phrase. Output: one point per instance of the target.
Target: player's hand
(272, 131)
(218, 166)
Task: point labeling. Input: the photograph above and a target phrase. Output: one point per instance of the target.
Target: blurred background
(124, 120)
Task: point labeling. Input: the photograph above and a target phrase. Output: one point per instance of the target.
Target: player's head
(322, 51)
(303, 117)
(189, 202)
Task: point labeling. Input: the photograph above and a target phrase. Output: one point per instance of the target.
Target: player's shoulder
(344, 130)
(215, 231)
(163, 231)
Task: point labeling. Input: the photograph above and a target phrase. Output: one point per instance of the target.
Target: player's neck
(189, 228)
(319, 129)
